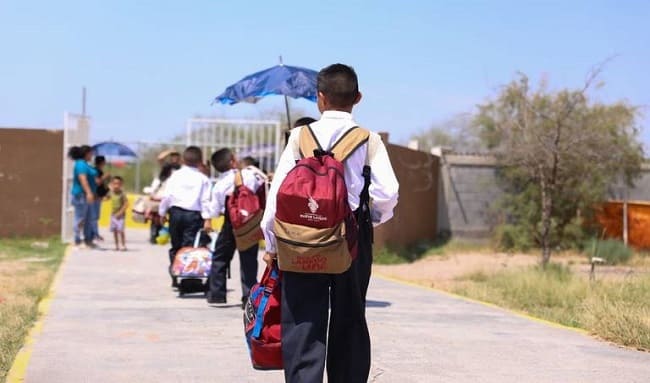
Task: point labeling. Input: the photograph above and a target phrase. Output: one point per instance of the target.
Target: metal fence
(261, 139)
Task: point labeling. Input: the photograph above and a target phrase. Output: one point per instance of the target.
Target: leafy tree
(559, 148)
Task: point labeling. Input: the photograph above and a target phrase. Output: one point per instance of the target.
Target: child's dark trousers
(223, 253)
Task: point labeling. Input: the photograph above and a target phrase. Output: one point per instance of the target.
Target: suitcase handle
(213, 239)
(197, 238)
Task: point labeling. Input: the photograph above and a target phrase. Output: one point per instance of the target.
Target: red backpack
(315, 229)
(245, 209)
(262, 322)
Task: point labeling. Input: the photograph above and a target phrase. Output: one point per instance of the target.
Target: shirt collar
(190, 168)
(226, 173)
(335, 114)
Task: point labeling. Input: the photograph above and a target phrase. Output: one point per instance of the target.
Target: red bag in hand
(245, 210)
(262, 322)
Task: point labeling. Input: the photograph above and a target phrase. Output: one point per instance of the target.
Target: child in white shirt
(226, 164)
(187, 199)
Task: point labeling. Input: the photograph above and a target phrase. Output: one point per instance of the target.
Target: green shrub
(613, 251)
(385, 256)
(573, 235)
(513, 237)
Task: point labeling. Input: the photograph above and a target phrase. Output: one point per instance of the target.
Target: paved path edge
(18, 368)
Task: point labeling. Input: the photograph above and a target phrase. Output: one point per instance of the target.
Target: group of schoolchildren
(312, 341)
(90, 186)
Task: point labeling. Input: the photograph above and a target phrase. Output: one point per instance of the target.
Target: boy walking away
(230, 185)
(357, 163)
(119, 204)
(187, 199)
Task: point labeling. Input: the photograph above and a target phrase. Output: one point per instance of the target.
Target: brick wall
(30, 182)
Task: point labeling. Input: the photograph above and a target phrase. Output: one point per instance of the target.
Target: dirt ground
(440, 271)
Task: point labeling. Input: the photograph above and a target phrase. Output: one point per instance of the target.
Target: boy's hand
(207, 225)
(90, 198)
(163, 220)
(268, 258)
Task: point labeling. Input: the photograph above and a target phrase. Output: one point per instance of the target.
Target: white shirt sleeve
(384, 187)
(286, 163)
(205, 199)
(219, 190)
(166, 199)
(215, 204)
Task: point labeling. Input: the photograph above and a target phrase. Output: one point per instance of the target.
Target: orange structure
(610, 216)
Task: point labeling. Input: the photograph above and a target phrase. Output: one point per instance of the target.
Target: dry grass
(26, 271)
(617, 310)
(616, 307)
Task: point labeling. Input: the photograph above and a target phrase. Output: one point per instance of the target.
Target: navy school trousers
(305, 302)
(223, 252)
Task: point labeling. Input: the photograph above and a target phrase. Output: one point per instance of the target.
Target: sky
(148, 66)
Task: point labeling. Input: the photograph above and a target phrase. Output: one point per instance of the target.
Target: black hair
(339, 83)
(84, 150)
(74, 153)
(302, 121)
(100, 160)
(221, 160)
(248, 160)
(117, 178)
(167, 170)
(192, 156)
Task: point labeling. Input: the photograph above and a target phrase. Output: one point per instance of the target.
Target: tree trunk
(547, 207)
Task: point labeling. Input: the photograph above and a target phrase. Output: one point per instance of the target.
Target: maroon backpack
(245, 210)
(315, 229)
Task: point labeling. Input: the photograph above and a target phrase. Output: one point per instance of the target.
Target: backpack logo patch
(312, 205)
(312, 216)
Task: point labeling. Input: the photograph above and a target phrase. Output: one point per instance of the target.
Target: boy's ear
(321, 102)
(358, 99)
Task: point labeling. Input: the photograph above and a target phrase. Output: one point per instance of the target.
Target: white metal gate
(261, 140)
(76, 129)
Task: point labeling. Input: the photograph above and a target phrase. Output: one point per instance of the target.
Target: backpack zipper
(314, 171)
(314, 245)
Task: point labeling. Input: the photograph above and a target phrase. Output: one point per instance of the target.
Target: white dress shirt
(383, 186)
(225, 186)
(188, 189)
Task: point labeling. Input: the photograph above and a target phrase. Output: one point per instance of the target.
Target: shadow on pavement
(377, 304)
(226, 306)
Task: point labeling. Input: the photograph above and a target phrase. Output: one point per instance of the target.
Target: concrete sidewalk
(115, 319)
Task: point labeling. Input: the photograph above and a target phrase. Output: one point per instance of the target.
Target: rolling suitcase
(191, 267)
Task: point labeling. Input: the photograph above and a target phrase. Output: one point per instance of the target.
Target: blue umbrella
(113, 149)
(284, 80)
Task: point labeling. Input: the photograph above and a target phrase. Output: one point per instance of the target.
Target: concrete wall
(468, 188)
(415, 216)
(30, 182)
(466, 193)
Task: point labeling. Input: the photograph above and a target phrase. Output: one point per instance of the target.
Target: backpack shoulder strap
(349, 142)
(307, 142)
(239, 181)
(374, 141)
